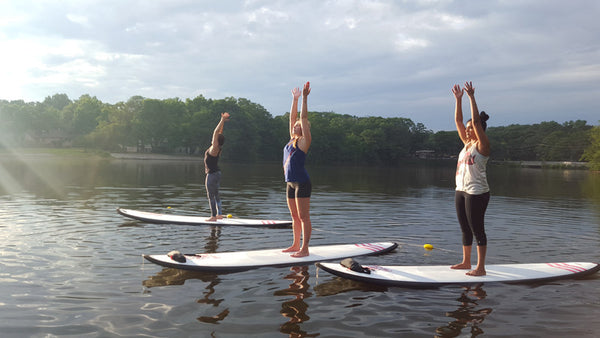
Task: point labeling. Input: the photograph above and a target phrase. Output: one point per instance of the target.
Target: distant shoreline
(523, 164)
(150, 156)
(32, 153)
(546, 164)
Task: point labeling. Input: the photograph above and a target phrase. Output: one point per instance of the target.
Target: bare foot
(461, 266)
(299, 254)
(219, 216)
(476, 272)
(212, 219)
(291, 249)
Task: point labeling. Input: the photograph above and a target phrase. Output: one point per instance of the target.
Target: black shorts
(299, 190)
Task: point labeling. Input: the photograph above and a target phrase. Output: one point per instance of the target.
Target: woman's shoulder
(303, 144)
(476, 148)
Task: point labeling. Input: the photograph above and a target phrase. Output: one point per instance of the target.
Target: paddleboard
(246, 260)
(152, 217)
(438, 275)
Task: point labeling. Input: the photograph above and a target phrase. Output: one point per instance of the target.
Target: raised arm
(294, 109)
(458, 114)
(483, 143)
(306, 140)
(214, 146)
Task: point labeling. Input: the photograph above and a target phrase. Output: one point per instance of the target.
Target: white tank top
(471, 172)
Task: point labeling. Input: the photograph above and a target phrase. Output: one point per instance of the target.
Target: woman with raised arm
(298, 186)
(213, 173)
(472, 191)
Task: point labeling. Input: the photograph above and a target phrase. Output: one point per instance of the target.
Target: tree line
(253, 134)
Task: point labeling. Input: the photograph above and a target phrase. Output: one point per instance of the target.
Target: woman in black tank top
(213, 173)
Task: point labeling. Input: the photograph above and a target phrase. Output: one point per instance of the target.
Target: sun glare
(18, 170)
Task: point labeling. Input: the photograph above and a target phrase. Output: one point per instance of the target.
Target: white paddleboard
(437, 275)
(246, 260)
(152, 217)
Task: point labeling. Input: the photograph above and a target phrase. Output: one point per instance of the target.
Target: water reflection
(212, 241)
(296, 308)
(214, 302)
(134, 224)
(467, 314)
(170, 276)
(214, 319)
(591, 188)
(340, 285)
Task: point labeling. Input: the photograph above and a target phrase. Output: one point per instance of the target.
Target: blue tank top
(293, 164)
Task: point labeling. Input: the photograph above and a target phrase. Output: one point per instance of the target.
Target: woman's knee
(481, 239)
(305, 218)
(467, 238)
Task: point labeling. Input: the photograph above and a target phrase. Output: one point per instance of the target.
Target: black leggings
(470, 210)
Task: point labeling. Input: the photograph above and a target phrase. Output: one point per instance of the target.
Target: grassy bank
(100, 154)
(62, 152)
(546, 164)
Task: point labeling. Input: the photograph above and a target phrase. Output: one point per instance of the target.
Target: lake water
(71, 266)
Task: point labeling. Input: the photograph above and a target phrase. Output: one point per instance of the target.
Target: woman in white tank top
(472, 190)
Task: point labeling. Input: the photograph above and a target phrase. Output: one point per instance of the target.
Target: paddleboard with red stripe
(437, 275)
(247, 260)
(153, 217)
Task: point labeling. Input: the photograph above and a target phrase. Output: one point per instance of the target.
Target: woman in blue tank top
(298, 186)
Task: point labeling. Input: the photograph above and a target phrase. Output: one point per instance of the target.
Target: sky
(530, 60)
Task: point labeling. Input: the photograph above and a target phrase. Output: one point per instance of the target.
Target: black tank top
(211, 163)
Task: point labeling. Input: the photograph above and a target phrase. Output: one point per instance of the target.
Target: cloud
(531, 61)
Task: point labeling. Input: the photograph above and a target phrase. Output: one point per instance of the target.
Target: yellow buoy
(428, 247)
(168, 207)
(229, 216)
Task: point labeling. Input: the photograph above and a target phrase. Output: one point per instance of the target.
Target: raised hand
(296, 93)
(306, 89)
(457, 91)
(469, 88)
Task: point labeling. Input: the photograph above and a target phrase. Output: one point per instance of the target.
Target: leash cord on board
(399, 242)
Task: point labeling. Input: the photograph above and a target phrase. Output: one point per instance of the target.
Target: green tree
(16, 117)
(327, 144)
(254, 135)
(592, 152)
(546, 141)
(245, 133)
(445, 143)
(204, 121)
(81, 117)
(158, 123)
(115, 129)
(57, 101)
(421, 137)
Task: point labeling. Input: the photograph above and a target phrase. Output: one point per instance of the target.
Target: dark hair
(483, 117)
(221, 139)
